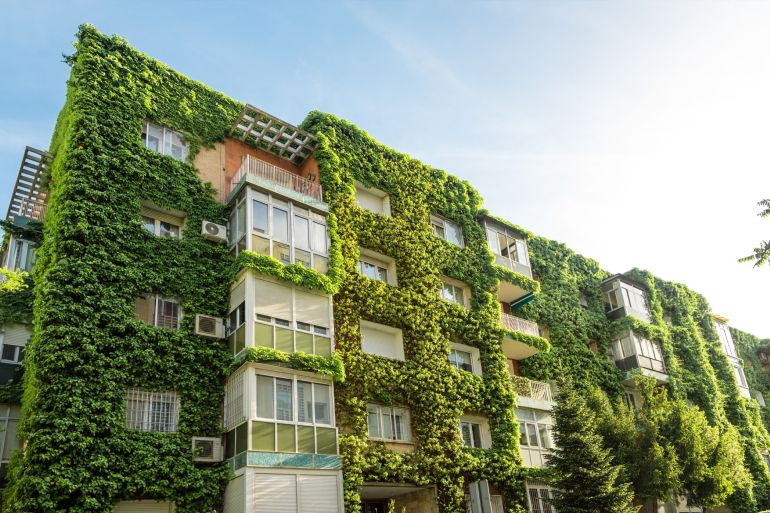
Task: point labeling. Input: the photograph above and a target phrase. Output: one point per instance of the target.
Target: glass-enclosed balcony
(631, 352)
(509, 248)
(624, 297)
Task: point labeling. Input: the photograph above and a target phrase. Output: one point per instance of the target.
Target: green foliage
(16, 295)
(586, 478)
(761, 253)
(331, 366)
(95, 258)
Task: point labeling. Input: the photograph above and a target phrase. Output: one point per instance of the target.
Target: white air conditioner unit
(214, 231)
(208, 326)
(207, 449)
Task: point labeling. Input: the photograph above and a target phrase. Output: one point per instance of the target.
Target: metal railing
(512, 323)
(533, 389)
(33, 209)
(278, 176)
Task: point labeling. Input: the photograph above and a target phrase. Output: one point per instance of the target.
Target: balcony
(632, 352)
(533, 394)
(279, 181)
(623, 296)
(513, 323)
(35, 210)
(28, 200)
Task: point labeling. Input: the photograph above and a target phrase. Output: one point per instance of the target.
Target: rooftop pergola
(258, 128)
(29, 196)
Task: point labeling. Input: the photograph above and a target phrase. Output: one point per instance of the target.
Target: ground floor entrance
(378, 497)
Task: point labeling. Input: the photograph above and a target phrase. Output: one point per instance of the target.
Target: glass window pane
(284, 340)
(532, 434)
(382, 274)
(9, 353)
(399, 425)
(240, 339)
(319, 242)
(260, 245)
(286, 438)
(241, 220)
(241, 438)
(282, 253)
(545, 435)
(305, 439)
(323, 346)
(502, 241)
(465, 430)
(280, 224)
(523, 434)
(322, 404)
(263, 335)
(438, 228)
(327, 440)
(304, 342)
(476, 429)
(321, 264)
(387, 423)
(302, 257)
(494, 245)
(265, 397)
(304, 402)
(373, 422)
(259, 216)
(230, 444)
(301, 233)
(521, 252)
(453, 233)
(169, 230)
(154, 136)
(283, 400)
(149, 224)
(262, 436)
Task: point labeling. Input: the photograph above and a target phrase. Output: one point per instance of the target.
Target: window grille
(152, 411)
(234, 414)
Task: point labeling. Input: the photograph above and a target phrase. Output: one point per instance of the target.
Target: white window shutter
(275, 493)
(318, 494)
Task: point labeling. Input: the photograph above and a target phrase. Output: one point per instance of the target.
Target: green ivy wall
(96, 257)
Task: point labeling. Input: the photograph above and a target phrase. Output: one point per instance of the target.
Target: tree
(762, 253)
(585, 476)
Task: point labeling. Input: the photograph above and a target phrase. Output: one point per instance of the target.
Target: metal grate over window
(152, 411)
(234, 414)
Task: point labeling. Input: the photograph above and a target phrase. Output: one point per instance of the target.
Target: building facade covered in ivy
(227, 312)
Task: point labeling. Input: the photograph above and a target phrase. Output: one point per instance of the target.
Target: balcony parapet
(513, 323)
(280, 181)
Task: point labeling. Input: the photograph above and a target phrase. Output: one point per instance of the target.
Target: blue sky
(635, 132)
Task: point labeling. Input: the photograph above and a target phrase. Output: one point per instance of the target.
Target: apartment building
(238, 314)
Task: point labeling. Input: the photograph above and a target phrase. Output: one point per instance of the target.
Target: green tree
(585, 476)
(762, 252)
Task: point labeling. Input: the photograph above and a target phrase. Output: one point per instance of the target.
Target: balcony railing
(33, 209)
(537, 390)
(640, 362)
(513, 265)
(276, 176)
(512, 323)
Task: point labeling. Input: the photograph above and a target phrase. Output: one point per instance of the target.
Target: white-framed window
(388, 424)
(508, 248)
(22, 255)
(622, 295)
(455, 291)
(446, 229)
(164, 140)
(376, 266)
(464, 357)
(632, 351)
(162, 223)
(373, 200)
(158, 311)
(496, 501)
(475, 432)
(291, 319)
(740, 376)
(535, 428)
(538, 495)
(13, 339)
(382, 340)
(9, 421)
(373, 271)
(292, 414)
(289, 232)
(152, 411)
(726, 338)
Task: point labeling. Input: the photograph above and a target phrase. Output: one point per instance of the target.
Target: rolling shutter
(235, 496)
(17, 334)
(312, 308)
(318, 494)
(273, 300)
(275, 493)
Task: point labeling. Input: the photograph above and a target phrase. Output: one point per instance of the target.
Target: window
(534, 428)
(740, 377)
(632, 351)
(446, 229)
(290, 320)
(373, 271)
(538, 496)
(455, 291)
(388, 424)
(9, 421)
(22, 255)
(463, 357)
(621, 295)
(376, 266)
(14, 338)
(162, 223)
(291, 413)
(475, 432)
(373, 200)
(728, 346)
(290, 233)
(158, 311)
(382, 340)
(508, 248)
(163, 140)
(152, 411)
